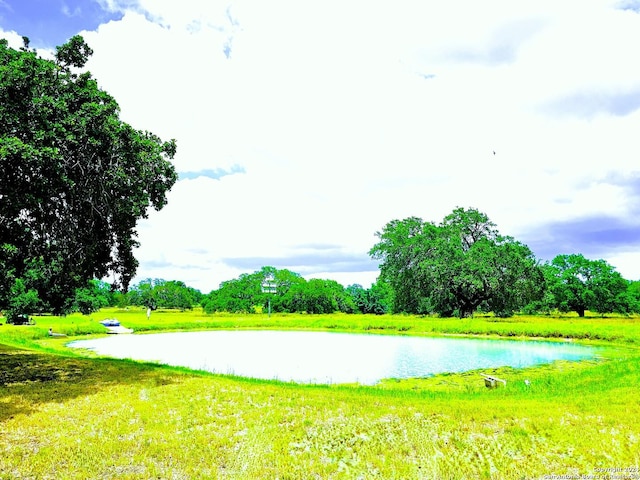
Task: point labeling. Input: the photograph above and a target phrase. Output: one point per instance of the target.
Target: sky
(304, 127)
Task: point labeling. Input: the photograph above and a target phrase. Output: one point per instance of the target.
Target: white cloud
(14, 40)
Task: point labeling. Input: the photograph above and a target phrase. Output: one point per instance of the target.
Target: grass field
(63, 415)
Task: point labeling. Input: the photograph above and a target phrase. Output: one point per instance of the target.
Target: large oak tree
(456, 267)
(74, 178)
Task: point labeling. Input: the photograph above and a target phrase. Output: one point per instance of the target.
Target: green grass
(63, 415)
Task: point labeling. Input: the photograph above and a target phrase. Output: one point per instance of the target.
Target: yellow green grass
(63, 415)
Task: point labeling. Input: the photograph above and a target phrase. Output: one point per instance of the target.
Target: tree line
(456, 268)
(246, 294)
(148, 293)
(289, 292)
(463, 265)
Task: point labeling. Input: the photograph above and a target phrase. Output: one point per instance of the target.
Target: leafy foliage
(158, 293)
(96, 295)
(633, 296)
(235, 296)
(577, 284)
(319, 296)
(378, 299)
(74, 178)
(456, 267)
(21, 300)
(292, 294)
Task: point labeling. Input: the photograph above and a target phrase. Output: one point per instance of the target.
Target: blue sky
(49, 23)
(304, 127)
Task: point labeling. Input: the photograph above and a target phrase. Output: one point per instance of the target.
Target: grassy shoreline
(63, 415)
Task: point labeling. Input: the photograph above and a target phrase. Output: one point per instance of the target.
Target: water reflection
(327, 357)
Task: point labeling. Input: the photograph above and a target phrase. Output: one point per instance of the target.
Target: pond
(328, 357)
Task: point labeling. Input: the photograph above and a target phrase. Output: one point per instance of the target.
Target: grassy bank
(612, 328)
(65, 416)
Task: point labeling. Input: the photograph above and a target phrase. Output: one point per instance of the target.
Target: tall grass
(614, 328)
(66, 416)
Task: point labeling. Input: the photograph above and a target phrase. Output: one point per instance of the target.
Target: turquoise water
(327, 357)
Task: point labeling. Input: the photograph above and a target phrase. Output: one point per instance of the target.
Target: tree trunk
(466, 311)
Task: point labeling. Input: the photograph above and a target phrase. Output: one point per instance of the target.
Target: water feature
(328, 357)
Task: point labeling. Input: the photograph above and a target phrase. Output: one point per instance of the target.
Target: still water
(325, 357)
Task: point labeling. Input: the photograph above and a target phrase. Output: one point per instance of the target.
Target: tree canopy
(575, 283)
(74, 179)
(159, 293)
(456, 267)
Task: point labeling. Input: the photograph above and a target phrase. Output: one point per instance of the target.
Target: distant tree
(74, 178)
(316, 296)
(577, 284)
(286, 283)
(358, 296)
(456, 267)
(235, 296)
(160, 293)
(342, 298)
(143, 293)
(175, 294)
(378, 299)
(633, 295)
(119, 299)
(92, 298)
(196, 296)
(210, 302)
